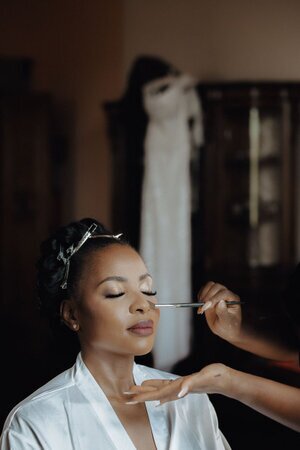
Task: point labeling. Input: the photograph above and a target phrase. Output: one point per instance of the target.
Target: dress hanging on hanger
(170, 103)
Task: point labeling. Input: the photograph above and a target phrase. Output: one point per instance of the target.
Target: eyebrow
(123, 279)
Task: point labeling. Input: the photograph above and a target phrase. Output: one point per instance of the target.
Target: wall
(77, 49)
(84, 49)
(216, 39)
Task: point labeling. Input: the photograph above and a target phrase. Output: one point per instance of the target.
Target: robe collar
(106, 414)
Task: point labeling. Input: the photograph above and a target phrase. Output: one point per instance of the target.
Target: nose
(140, 304)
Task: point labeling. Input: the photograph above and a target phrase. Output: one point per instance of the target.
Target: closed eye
(115, 295)
(149, 293)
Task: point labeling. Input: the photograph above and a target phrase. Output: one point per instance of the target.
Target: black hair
(51, 270)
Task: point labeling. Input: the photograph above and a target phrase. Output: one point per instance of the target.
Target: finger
(190, 384)
(139, 389)
(220, 293)
(206, 294)
(205, 307)
(156, 382)
(227, 313)
(214, 289)
(170, 393)
(184, 391)
(225, 295)
(204, 290)
(216, 293)
(210, 296)
(222, 312)
(147, 386)
(163, 394)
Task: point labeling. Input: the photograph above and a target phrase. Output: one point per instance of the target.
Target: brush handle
(191, 305)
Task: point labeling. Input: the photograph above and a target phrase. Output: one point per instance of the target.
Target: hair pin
(65, 256)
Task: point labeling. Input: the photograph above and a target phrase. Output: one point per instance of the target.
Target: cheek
(106, 317)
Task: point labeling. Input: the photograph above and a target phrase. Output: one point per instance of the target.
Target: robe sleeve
(12, 440)
(20, 435)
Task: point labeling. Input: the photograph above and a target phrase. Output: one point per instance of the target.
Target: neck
(112, 372)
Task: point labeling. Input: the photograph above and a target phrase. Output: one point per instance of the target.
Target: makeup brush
(191, 305)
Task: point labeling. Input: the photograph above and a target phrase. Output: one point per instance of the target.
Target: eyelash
(114, 295)
(122, 293)
(150, 293)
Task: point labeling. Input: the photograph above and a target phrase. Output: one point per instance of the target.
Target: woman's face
(115, 307)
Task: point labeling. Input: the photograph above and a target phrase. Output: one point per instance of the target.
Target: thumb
(185, 388)
(222, 311)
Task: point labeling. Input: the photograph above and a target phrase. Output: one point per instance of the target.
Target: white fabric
(71, 412)
(166, 206)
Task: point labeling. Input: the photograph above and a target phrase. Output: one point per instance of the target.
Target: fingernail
(128, 393)
(222, 303)
(183, 392)
(206, 307)
(131, 403)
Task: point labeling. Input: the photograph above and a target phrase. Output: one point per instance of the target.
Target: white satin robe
(72, 412)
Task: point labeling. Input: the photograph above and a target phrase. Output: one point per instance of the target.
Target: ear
(68, 314)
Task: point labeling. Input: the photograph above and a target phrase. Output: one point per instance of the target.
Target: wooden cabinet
(30, 208)
(245, 229)
(244, 184)
(249, 174)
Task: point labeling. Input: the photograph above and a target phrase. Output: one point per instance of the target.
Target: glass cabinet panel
(248, 193)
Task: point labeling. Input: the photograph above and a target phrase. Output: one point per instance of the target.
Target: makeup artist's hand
(224, 321)
(214, 378)
(278, 401)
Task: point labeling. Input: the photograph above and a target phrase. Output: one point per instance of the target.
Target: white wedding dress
(166, 206)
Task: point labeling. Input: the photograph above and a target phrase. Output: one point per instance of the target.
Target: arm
(274, 400)
(14, 440)
(226, 322)
(267, 348)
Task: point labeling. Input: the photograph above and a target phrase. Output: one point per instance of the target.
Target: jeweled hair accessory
(66, 255)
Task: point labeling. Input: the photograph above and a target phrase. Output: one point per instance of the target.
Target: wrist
(229, 382)
(237, 386)
(237, 338)
(223, 380)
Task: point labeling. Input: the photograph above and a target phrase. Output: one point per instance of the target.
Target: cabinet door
(249, 182)
(26, 197)
(29, 211)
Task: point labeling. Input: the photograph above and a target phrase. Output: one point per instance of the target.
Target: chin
(142, 353)
(143, 350)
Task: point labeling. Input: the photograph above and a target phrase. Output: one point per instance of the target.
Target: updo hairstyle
(51, 271)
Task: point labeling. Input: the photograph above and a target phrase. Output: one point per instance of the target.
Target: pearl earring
(75, 326)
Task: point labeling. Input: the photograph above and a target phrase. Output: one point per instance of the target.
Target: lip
(142, 328)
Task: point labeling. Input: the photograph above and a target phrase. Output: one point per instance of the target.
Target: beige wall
(83, 50)
(77, 49)
(217, 39)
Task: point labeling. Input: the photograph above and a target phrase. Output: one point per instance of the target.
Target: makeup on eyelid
(120, 294)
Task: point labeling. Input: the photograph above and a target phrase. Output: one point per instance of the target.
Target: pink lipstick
(142, 328)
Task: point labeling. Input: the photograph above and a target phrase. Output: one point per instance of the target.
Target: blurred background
(72, 128)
